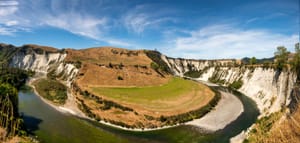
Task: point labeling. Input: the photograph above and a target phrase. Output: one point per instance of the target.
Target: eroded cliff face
(269, 88)
(45, 62)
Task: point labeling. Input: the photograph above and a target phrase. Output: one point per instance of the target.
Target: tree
(296, 60)
(253, 61)
(154, 66)
(281, 57)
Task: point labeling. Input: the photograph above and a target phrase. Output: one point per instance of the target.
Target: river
(52, 126)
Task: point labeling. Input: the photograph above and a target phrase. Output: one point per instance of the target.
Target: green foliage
(193, 74)
(247, 61)
(142, 95)
(11, 79)
(281, 56)
(154, 66)
(215, 78)
(296, 61)
(52, 90)
(7, 52)
(253, 61)
(156, 58)
(9, 114)
(14, 76)
(236, 84)
(120, 78)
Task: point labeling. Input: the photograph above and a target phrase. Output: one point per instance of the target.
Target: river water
(52, 126)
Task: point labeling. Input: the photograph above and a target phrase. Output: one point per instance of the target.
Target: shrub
(120, 78)
(193, 74)
(236, 84)
(154, 66)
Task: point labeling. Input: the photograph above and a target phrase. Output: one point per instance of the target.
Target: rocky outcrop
(44, 61)
(268, 87)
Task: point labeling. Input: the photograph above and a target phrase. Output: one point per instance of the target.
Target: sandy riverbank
(227, 110)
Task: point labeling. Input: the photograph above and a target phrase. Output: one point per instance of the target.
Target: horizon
(194, 30)
(139, 49)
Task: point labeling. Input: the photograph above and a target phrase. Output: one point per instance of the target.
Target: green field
(51, 90)
(164, 96)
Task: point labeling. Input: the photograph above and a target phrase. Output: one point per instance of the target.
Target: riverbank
(205, 122)
(70, 107)
(227, 110)
(66, 108)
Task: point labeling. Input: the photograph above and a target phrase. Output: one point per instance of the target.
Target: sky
(198, 29)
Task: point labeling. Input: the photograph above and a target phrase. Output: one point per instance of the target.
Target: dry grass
(103, 66)
(104, 76)
(107, 68)
(15, 139)
(106, 55)
(45, 48)
(285, 130)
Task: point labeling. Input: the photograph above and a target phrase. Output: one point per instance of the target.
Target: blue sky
(200, 29)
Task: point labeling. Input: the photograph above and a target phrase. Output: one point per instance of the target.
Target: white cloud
(140, 18)
(226, 41)
(11, 23)
(8, 7)
(115, 42)
(6, 31)
(8, 3)
(77, 23)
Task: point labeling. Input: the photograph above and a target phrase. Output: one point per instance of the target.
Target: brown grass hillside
(115, 84)
(108, 66)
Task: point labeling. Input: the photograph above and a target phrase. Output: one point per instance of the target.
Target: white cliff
(44, 63)
(269, 88)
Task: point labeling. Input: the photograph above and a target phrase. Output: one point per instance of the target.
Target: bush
(120, 78)
(154, 66)
(236, 84)
(193, 74)
(156, 58)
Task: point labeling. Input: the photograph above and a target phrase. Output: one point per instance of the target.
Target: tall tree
(253, 61)
(296, 60)
(281, 57)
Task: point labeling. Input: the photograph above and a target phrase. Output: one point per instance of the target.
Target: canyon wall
(268, 87)
(45, 62)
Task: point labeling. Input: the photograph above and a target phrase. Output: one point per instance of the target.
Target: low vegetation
(11, 124)
(193, 74)
(215, 78)
(52, 90)
(262, 128)
(158, 63)
(236, 84)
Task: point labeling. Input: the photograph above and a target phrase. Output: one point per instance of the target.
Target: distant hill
(246, 60)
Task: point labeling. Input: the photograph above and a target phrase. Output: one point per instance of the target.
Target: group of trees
(11, 79)
(283, 58)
